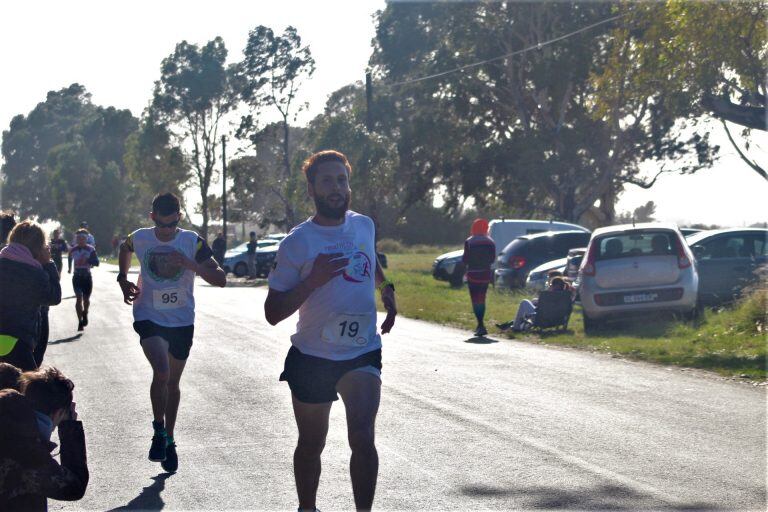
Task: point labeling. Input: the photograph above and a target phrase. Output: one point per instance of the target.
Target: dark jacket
(26, 482)
(24, 289)
(479, 254)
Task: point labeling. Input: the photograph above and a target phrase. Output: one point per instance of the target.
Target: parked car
(689, 231)
(630, 269)
(448, 266)
(726, 260)
(537, 278)
(504, 231)
(236, 259)
(527, 252)
(574, 259)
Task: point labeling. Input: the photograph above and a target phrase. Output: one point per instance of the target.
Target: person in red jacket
(479, 253)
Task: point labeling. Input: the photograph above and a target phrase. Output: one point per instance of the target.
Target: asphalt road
(462, 426)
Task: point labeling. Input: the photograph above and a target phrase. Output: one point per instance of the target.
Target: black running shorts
(82, 283)
(313, 379)
(179, 338)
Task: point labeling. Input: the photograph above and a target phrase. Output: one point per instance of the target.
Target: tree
(272, 72)
(195, 92)
(517, 134)
(153, 165)
(642, 213)
(25, 147)
(695, 58)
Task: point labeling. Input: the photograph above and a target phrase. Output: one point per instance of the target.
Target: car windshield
(635, 243)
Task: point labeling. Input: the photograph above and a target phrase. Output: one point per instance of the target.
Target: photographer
(28, 472)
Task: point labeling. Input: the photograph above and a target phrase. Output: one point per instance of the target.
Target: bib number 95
(168, 299)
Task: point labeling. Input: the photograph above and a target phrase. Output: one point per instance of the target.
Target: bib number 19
(349, 328)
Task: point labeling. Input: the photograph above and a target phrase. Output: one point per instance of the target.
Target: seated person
(527, 308)
(613, 249)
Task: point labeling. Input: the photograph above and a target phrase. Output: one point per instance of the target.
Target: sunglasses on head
(171, 224)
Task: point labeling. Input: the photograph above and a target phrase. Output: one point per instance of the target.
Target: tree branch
(759, 170)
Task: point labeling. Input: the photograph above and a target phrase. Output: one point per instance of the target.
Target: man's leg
(312, 422)
(526, 308)
(361, 393)
(79, 307)
(174, 392)
(156, 351)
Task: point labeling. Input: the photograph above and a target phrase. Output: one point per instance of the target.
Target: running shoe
(80, 325)
(171, 462)
(504, 326)
(157, 452)
(481, 331)
(85, 319)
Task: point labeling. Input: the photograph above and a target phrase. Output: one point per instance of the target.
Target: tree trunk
(290, 216)
(204, 204)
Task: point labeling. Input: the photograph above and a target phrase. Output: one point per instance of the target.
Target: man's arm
(387, 298)
(211, 273)
(130, 290)
(280, 305)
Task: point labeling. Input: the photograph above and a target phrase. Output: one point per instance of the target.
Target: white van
(448, 267)
(503, 231)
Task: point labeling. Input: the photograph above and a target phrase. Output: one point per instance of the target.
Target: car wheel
(241, 269)
(457, 278)
(590, 324)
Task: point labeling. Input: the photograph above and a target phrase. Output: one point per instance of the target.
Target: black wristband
(121, 276)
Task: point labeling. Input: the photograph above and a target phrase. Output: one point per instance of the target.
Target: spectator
(28, 473)
(527, 308)
(251, 249)
(58, 247)
(9, 376)
(28, 280)
(479, 253)
(219, 247)
(7, 221)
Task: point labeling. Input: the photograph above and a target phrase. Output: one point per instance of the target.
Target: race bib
(169, 298)
(348, 329)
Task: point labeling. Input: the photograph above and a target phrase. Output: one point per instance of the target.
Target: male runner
(164, 309)
(84, 257)
(328, 271)
(58, 247)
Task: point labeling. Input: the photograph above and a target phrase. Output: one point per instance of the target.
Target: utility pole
(368, 102)
(224, 184)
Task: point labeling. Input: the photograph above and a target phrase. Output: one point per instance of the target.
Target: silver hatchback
(633, 269)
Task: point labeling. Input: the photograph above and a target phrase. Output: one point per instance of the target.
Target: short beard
(328, 211)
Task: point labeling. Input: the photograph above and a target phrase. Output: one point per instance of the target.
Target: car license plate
(640, 297)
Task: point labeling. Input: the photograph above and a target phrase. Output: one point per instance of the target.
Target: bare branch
(759, 170)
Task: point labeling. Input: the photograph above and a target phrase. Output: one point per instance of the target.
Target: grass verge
(731, 342)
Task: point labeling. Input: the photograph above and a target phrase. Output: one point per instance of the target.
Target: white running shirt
(166, 296)
(338, 320)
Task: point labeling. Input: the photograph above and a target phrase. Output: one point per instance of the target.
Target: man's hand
(325, 268)
(177, 258)
(388, 299)
(130, 291)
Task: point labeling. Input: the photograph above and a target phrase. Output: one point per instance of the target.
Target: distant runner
(328, 271)
(59, 246)
(84, 257)
(164, 309)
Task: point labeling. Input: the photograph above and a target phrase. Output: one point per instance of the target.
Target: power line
(517, 52)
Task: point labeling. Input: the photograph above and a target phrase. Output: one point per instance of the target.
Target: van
(503, 231)
(448, 266)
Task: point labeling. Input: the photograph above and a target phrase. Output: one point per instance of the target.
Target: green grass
(731, 342)
(113, 261)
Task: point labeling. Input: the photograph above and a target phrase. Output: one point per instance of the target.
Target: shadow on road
(480, 340)
(149, 498)
(66, 340)
(600, 497)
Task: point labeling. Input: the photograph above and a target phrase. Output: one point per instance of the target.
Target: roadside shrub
(390, 246)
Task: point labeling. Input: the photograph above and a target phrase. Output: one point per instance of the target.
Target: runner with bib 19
(164, 309)
(327, 270)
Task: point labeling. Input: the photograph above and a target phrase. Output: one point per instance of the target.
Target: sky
(115, 50)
